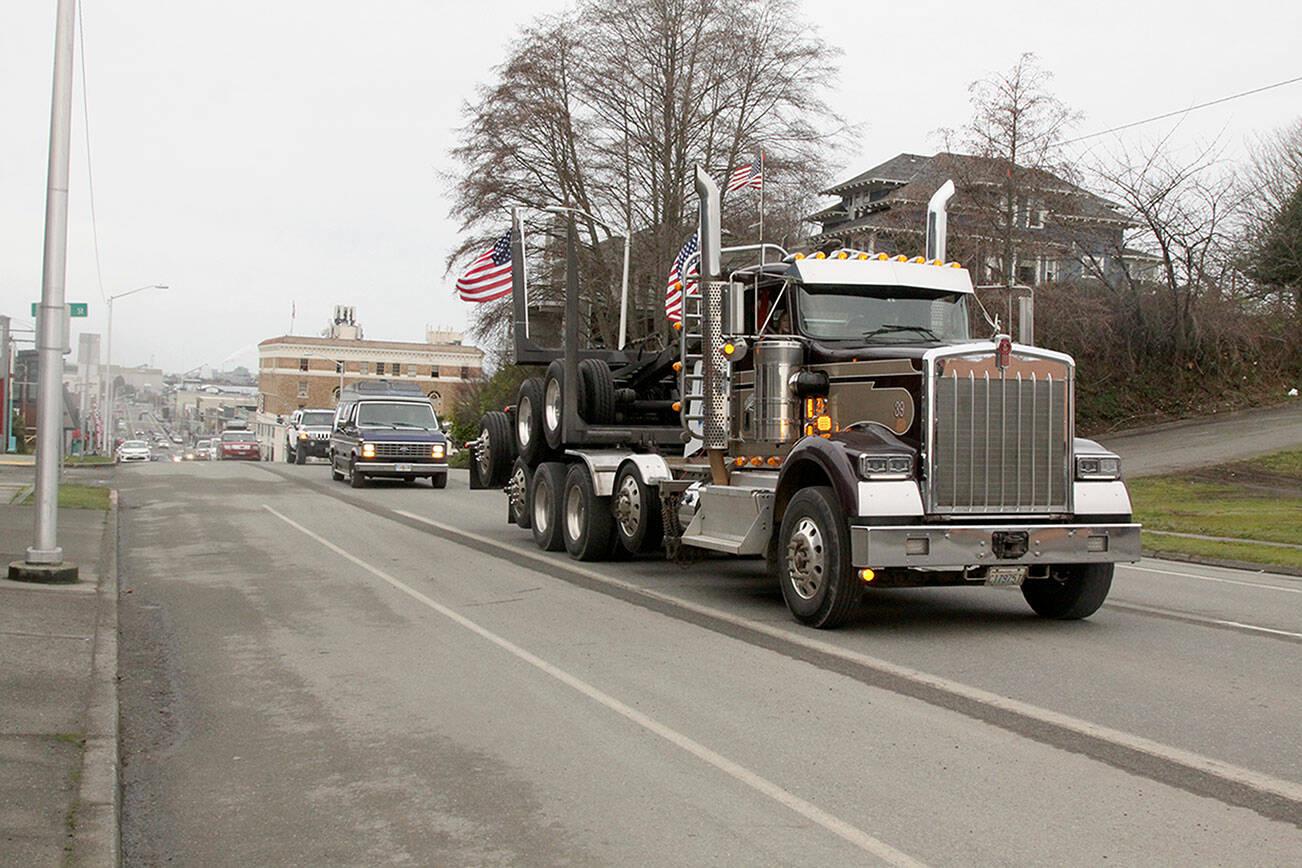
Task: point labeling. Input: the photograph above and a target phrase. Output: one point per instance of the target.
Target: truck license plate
(1013, 575)
(404, 468)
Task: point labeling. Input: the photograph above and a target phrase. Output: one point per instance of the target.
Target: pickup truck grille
(1000, 437)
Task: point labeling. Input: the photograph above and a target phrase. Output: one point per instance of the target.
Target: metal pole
(49, 341)
(108, 383)
(6, 387)
(623, 295)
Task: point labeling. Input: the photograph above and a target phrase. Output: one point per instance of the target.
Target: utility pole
(45, 561)
(6, 388)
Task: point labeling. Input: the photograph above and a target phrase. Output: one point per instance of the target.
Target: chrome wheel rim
(482, 458)
(628, 507)
(574, 512)
(524, 421)
(806, 565)
(517, 486)
(552, 405)
(541, 497)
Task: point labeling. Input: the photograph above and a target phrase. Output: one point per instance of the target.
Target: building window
(465, 373)
(434, 372)
(1026, 274)
(411, 370)
(302, 388)
(379, 368)
(302, 364)
(363, 367)
(397, 369)
(1035, 220)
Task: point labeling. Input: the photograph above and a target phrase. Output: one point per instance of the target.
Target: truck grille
(416, 452)
(1000, 438)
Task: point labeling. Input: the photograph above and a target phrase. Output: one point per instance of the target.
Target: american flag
(489, 276)
(678, 284)
(750, 175)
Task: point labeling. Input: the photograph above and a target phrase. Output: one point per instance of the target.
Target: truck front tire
(1071, 592)
(814, 568)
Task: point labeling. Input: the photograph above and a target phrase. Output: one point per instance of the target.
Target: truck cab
(387, 430)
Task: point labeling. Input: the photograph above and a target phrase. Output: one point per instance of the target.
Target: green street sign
(76, 308)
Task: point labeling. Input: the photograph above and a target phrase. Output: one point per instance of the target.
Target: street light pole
(44, 561)
(108, 363)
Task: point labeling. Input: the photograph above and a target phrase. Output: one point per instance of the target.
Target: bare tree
(1015, 131)
(607, 107)
(1183, 215)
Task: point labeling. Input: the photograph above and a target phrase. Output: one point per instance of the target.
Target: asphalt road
(313, 674)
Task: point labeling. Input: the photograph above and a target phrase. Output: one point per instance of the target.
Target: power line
(1182, 111)
(90, 177)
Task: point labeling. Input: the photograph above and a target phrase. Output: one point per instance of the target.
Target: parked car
(133, 450)
(239, 445)
(202, 450)
(385, 429)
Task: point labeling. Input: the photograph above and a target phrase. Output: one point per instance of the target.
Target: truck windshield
(881, 314)
(319, 418)
(407, 414)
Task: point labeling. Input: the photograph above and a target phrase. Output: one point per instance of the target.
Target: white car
(133, 450)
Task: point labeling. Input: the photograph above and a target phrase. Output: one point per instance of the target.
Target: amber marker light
(867, 575)
(678, 366)
(774, 461)
(863, 255)
(729, 349)
(820, 255)
(756, 461)
(800, 256)
(842, 255)
(824, 424)
(677, 405)
(920, 260)
(901, 258)
(678, 326)
(882, 257)
(738, 461)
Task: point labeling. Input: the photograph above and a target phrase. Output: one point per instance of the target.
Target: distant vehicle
(307, 433)
(236, 425)
(202, 450)
(238, 445)
(133, 450)
(385, 429)
(214, 449)
(176, 438)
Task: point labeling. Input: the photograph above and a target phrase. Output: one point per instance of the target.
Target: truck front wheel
(814, 560)
(1071, 591)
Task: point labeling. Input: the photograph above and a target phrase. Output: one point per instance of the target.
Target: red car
(236, 445)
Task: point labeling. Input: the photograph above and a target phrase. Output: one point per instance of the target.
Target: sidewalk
(58, 695)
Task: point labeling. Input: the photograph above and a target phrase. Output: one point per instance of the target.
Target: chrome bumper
(958, 546)
(423, 468)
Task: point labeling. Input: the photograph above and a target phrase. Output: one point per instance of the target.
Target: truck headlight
(1098, 467)
(886, 466)
(368, 450)
(436, 450)
(302, 436)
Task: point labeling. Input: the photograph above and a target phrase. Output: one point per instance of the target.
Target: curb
(96, 835)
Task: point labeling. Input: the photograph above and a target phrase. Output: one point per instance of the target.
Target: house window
(363, 367)
(1026, 274)
(1035, 219)
(302, 364)
(379, 368)
(302, 388)
(1047, 269)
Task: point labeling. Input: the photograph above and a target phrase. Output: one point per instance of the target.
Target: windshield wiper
(889, 329)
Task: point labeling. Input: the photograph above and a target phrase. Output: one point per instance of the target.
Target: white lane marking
(809, 811)
(1246, 777)
(1200, 619)
(1211, 579)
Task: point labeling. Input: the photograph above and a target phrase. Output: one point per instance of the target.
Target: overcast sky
(255, 155)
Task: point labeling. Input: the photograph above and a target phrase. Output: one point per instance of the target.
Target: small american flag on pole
(750, 175)
(680, 282)
(489, 276)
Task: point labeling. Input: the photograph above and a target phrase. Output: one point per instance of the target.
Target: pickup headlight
(1098, 467)
(886, 466)
(302, 436)
(368, 450)
(436, 450)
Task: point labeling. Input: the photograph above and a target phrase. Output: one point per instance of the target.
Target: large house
(1060, 231)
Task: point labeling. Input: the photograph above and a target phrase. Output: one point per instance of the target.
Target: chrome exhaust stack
(937, 220)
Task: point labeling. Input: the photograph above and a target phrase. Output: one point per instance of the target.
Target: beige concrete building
(297, 371)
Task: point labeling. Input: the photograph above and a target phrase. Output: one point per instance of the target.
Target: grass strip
(74, 496)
